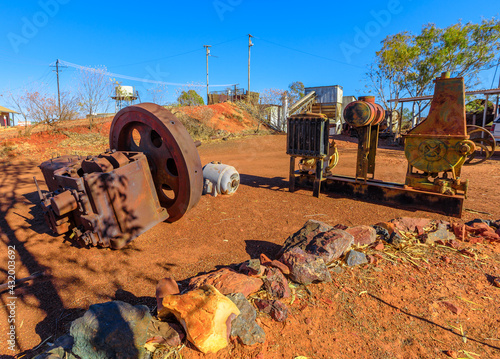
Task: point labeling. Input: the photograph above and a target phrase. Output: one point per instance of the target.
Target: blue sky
(319, 43)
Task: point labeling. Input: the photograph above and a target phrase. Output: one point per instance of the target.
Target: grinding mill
(435, 150)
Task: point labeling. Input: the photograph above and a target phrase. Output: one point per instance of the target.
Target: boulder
(275, 283)
(244, 326)
(362, 234)
(111, 330)
(305, 268)
(206, 316)
(330, 245)
(228, 281)
(276, 309)
(354, 258)
(303, 236)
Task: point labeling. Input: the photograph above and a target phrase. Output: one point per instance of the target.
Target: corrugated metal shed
(6, 110)
(326, 94)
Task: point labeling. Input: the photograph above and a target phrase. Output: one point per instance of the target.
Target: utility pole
(207, 48)
(58, 91)
(250, 44)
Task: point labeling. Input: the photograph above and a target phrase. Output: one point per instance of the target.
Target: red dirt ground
(388, 310)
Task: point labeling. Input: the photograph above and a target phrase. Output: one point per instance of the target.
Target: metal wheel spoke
(172, 155)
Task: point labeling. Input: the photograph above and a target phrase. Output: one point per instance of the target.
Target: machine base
(386, 193)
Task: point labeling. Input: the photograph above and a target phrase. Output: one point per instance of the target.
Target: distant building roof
(5, 109)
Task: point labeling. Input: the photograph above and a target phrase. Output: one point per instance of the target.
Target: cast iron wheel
(172, 155)
(485, 145)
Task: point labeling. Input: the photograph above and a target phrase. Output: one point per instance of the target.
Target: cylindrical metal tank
(364, 112)
(220, 179)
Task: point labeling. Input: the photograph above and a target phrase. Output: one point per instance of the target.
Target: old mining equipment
(435, 149)
(151, 173)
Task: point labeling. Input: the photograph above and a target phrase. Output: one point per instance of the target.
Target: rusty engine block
(151, 174)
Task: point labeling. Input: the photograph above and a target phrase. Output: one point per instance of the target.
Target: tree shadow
(431, 322)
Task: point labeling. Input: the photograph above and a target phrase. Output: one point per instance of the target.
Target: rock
(338, 270)
(165, 333)
(165, 286)
(276, 309)
(490, 236)
(441, 234)
(354, 258)
(305, 268)
(340, 226)
(459, 231)
(451, 307)
(495, 224)
(451, 353)
(61, 349)
(276, 284)
(111, 330)
(389, 227)
(265, 261)
(446, 259)
(410, 224)
(251, 268)
(303, 236)
(382, 232)
(395, 239)
(378, 246)
(228, 281)
(206, 316)
(496, 282)
(479, 221)
(244, 326)
(362, 234)
(480, 227)
(330, 245)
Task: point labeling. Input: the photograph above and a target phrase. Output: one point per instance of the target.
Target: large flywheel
(172, 155)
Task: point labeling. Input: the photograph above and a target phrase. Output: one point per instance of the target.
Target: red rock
(281, 266)
(276, 284)
(481, 227)
(451, 353)
(459, 231)
(264, 259)
(371, 259)
(451, 307)
(475, 240)
(228, 281)
(410, 224)
(446, 259)
(490, 236)
(379, 246)
(165, 286)
(362, 234)
(496, 282)
(498, 231)
(330, 245)
(453, 244)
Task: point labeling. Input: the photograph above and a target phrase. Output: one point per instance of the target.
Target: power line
(131, 78)
(176, 55)
(310, 54)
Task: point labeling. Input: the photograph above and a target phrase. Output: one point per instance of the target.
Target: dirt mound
(221, 117)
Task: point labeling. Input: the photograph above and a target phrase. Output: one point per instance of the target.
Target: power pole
(207, 48)
(58, 91)
(250, 44)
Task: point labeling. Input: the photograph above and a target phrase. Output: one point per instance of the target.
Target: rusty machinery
(436, 150)
(151, 173)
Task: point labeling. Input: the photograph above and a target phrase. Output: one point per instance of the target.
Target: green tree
(295, 91)
(407, 64)
(190, 98)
